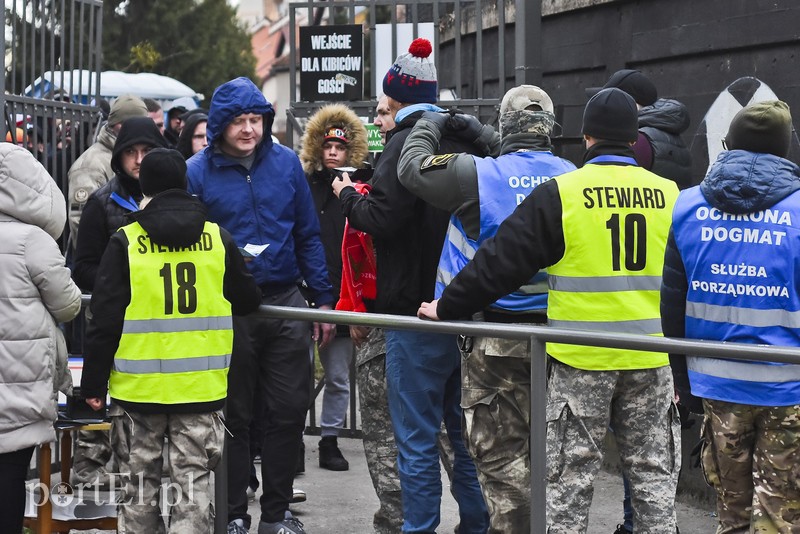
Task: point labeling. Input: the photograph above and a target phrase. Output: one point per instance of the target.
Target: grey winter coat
(36, 292)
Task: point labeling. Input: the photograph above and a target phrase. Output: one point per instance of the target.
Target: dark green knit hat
(764, 127)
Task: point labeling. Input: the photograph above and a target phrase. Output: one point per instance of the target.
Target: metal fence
(45, 105)
(459, 31)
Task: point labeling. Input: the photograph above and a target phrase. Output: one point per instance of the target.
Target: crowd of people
(182, 224)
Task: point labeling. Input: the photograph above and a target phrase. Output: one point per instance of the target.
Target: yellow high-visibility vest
(616, 221)
(177, 336)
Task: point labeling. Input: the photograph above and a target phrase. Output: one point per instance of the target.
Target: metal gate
(460, 29)
(45, 43)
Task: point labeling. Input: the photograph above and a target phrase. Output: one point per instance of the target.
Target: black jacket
(173, 218)
(184, 144)
(103, 215)
(407, 232)
(331, 226)
(662, 124)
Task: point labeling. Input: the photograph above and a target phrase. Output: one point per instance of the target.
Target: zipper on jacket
(255, 209)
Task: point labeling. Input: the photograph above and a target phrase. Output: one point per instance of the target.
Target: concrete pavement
(343, 502)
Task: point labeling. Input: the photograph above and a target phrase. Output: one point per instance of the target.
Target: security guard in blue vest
(732, 273)
(481, 193)
(160, 345)
(601, 232)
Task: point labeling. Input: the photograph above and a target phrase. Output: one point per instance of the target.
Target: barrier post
(538, 435)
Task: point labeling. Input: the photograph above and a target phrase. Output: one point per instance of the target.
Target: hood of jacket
(232, 99)
(134, 131)
(107, 137)
(665, 114)
(173, 218)
(27, 193)
(314, 137)
(745, 182)
(184, 145)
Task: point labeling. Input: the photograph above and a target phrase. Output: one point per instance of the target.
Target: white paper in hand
(250, 250)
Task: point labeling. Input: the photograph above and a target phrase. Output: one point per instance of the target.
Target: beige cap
(125, 107)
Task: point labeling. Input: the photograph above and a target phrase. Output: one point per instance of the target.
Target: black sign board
(331, 63)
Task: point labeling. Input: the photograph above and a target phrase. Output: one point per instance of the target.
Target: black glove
(464, 127)
(438, 118)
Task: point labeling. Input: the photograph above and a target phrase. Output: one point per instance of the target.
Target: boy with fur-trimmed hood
(321, 129)
(334, 137)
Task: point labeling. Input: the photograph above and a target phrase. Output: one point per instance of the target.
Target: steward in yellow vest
(601, 232)
(162, 309)
(161, 338)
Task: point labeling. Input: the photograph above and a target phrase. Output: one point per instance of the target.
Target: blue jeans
(627, 507)
(423, 375)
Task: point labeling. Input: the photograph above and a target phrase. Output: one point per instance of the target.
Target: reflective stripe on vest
(503, 183)
(741, 272)
(182, 365)
(144, 326)
(616, 221)
(177, 334)
(648, 327)
(739, 370)
(743, 316)
(752, 383)
(599, 284)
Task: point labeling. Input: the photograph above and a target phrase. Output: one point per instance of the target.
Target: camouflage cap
(526, 109)
(526, 97)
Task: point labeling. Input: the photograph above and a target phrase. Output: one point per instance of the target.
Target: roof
(81, 83)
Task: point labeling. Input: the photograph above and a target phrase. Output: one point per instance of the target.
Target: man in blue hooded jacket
(256, 189)
(731, 273)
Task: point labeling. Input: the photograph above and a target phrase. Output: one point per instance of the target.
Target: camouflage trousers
(496, 402)
(380, 448)
(194, 448)
(90, 458)
(751, 457)
(639, 406)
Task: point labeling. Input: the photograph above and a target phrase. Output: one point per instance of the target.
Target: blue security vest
(503, 183)
(742, 272)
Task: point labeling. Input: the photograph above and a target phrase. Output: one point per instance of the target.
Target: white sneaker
(236, 527)
(298, 496)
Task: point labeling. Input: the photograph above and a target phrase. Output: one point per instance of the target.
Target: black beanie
(764, 127)
(162, 169)
(611, 115)
(635, 84)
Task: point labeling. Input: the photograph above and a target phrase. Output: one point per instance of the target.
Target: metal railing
(538, 336)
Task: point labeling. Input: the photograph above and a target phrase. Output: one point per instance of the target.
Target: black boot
(330, 457)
